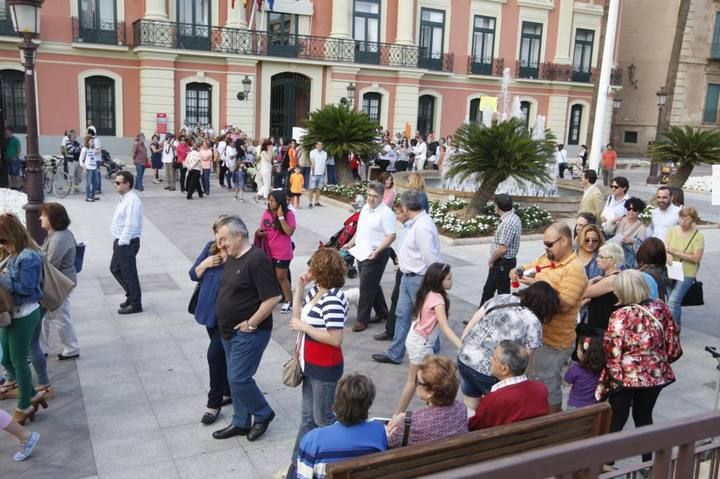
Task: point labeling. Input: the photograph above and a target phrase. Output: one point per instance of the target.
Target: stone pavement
(130, 407)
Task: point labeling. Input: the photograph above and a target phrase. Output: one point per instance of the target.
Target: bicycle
(55, 179)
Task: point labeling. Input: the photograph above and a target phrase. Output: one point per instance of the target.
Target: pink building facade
(145, 65)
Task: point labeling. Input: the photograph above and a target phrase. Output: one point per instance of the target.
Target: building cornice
(539, 4)
(588, 9)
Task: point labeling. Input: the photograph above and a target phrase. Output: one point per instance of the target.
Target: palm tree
(495, 153)
(687, 147)
(342, 130)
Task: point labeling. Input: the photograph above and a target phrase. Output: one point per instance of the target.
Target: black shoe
(130, 309)
(230, 431)
(382, 358)
(259, 428)
(62, 357)
(209, 418)
(125, 303)
(384, 336)
(377, 319)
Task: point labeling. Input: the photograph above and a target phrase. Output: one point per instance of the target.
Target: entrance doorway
(289, 103)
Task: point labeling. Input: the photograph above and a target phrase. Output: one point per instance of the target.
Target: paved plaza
(130, 407)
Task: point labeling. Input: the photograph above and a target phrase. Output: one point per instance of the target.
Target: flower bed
(699, 183)
(12, 202)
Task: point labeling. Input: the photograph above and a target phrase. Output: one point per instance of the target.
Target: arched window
(198, 104)
(100, 104)
(371, 106)
(574, 130)
(475, 116)
(13, 100)
(426, 114)
(525, 108)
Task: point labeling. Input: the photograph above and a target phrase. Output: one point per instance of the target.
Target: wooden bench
(477, 446)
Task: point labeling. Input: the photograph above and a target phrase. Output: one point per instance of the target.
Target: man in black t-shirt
(248, 293)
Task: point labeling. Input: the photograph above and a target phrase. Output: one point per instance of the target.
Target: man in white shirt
(318, 169)
(420, 248)
(420, 151)
(561, 160)
(168, 160)
(126, 229)
(665, 215)
(375, 233)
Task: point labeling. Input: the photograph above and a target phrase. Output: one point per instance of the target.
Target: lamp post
(245, 94)
(617, 103)
(350, 96)
(661, 94)
(26, 20)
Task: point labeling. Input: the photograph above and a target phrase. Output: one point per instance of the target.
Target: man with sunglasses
(561, 268)
(127, 224)
(614, 209)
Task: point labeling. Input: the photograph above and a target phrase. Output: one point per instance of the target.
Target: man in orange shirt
(561, 268)
(608, 165)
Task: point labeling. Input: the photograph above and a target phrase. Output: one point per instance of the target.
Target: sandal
(22, 416)
(39, 400)
(9, 391)
(209, 418)
(47, 390)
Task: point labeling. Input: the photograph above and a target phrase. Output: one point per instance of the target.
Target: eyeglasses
(550, 244)
(591, 241)
(614, 187)
(420, 383)
(604, 257)
(633, 209)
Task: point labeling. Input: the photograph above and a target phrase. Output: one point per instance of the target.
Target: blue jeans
(409, 286)
(37, 356)
(206, 181)
(317, 407)
(139, 174)
(677, 293)
(306, 175)
(331, 177)
(244, 352)
(98, 179)
(90, 186)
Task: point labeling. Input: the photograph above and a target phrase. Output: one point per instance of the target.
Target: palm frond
(341, 130)
(687, 146)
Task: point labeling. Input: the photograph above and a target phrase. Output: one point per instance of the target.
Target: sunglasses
(420, 383)
(119, 182)
(633, 209)
(591, 241)
(550, 244)
(614, 187)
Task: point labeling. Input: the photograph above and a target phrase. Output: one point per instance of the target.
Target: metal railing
(106, 33)
(485, 66)
(676, 455)
(160, 34)
(562, 72)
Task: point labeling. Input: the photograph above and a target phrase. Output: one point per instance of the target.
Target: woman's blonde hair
(689, 211)
(588, 228)
(13, 231)
(416, 182)
(613, 251)
(630, 287)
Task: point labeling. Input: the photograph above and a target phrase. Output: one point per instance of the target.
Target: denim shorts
(316, 182)
(472, 383)
(419, 347)
(14, 167)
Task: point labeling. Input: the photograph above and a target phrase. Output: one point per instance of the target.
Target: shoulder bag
(292, 374)
(694, 295)
(56, 287)
(406, 428)
(192, 305)
(6, 316)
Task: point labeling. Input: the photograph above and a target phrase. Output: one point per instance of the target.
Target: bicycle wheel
(47, 181)
(62, 184)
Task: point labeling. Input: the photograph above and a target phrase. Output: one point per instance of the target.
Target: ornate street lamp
(246, 84)
(661, 95)
(350, 95)
(26, 20)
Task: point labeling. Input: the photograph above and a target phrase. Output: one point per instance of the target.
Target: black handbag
(79, 256)
(192, 305)
(694, 295)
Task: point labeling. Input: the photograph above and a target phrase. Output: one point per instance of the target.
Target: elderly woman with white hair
(599, 296)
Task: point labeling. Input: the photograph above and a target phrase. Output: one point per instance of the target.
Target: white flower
(12, 202)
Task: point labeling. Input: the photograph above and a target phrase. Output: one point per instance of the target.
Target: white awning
(298, 7)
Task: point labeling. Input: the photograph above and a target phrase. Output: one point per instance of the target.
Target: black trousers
(123, 267)
(183, 172)
(498, 278)
(641, 400)
(390, 323)
(222, 173)
(217, 365)
(371, 293)
(193, 184)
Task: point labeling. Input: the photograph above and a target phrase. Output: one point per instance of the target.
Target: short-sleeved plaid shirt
(508, 233)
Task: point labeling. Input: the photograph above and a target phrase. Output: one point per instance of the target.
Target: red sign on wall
(161, 123)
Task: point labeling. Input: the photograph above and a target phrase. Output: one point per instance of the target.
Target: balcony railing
(159, 34)
(563, 72)
(485, 66)
(106, 33)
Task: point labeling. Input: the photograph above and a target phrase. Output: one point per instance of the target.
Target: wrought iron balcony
(106, 33)
(563, 72)
(486, 66)
(152, 33)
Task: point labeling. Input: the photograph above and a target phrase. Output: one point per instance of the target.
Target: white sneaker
(27, 447)
(286, 308)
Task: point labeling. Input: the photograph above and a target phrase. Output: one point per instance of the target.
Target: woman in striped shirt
(320, 325)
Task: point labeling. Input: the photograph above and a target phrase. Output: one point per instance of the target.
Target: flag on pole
(271, 3)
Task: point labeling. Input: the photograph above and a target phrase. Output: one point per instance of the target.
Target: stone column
(155, 10)
(341, 14)
(157, 89)
(564, 31)
(236, 16)
(405, 21)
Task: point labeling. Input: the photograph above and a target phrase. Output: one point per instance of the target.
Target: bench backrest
(477, 446)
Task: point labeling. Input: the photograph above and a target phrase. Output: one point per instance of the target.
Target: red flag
(232, 5)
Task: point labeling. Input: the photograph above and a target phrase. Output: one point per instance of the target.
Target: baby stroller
(111, 166)
(250, 171)
(341, 238)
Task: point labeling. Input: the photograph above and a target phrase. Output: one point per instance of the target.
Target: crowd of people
(599, 308)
